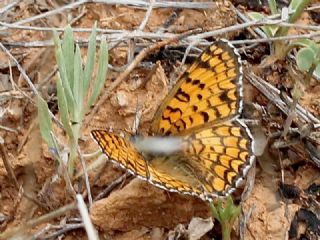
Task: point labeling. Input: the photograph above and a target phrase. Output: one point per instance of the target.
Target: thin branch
(124, 36)
(86, 178)
(273, 95)
(147, 16)
(111, 186)
(137, 3)
(35, 222)
(91, 232)
(28, 80)
(6, 163)
(66, 228)
(8, 7)
(49, 13)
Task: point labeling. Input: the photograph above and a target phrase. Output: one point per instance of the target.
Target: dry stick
(111, 186)
(48, 77)
(140, 28)
(273, 95)
(147, 16)
(84, 213)
(33, 223)
(66, 228)
(157, 36)
(83, 165)
(65, 174)
(7, 165)
(124, 2)
(145, 52)
(245, 19)
(244, 220)
(28, 80)
(8, 7)
(9, 129)
(161, 4)
(132, 42)
(268, 20)
(14, 86)
(49, 13)
(11, 94)
(59, 29)
(41, 231)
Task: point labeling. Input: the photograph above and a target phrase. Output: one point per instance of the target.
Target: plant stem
(226, 231)
(73, 148)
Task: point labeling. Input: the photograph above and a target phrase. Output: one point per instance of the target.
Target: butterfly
(202, 111)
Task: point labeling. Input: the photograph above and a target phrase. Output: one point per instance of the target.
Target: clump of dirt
(139, 205)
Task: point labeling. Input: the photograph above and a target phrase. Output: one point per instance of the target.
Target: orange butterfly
(202, 110)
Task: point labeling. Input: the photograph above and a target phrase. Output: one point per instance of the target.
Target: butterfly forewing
(121, 151)
(209, 92)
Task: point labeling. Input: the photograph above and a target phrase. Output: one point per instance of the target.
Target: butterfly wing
(210, 91)
(160, 171)
(213, 162)
(120, 151)
(220, 156)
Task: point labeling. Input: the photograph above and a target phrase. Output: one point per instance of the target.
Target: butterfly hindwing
(221, 156)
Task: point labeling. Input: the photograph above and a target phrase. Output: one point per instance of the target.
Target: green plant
(76, 90)
(280, 48)
(307, 57)
(226, 215)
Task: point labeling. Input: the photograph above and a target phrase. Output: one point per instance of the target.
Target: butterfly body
(203, 148)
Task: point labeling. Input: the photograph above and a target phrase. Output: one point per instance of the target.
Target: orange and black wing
(209, 92)
(220, 156)
(213, 162)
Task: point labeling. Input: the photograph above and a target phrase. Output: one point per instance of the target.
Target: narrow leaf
(63, 73)
(90, 59)
(294, 4)
(45, 121)
(273, 7)
(77, 87)
(297, 7)
(102, 72)
(63, 108)
(68, 53)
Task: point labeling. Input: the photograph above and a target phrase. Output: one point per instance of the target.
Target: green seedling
(307, 57)
(280, 49)
(226, 215)
(76, 89)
